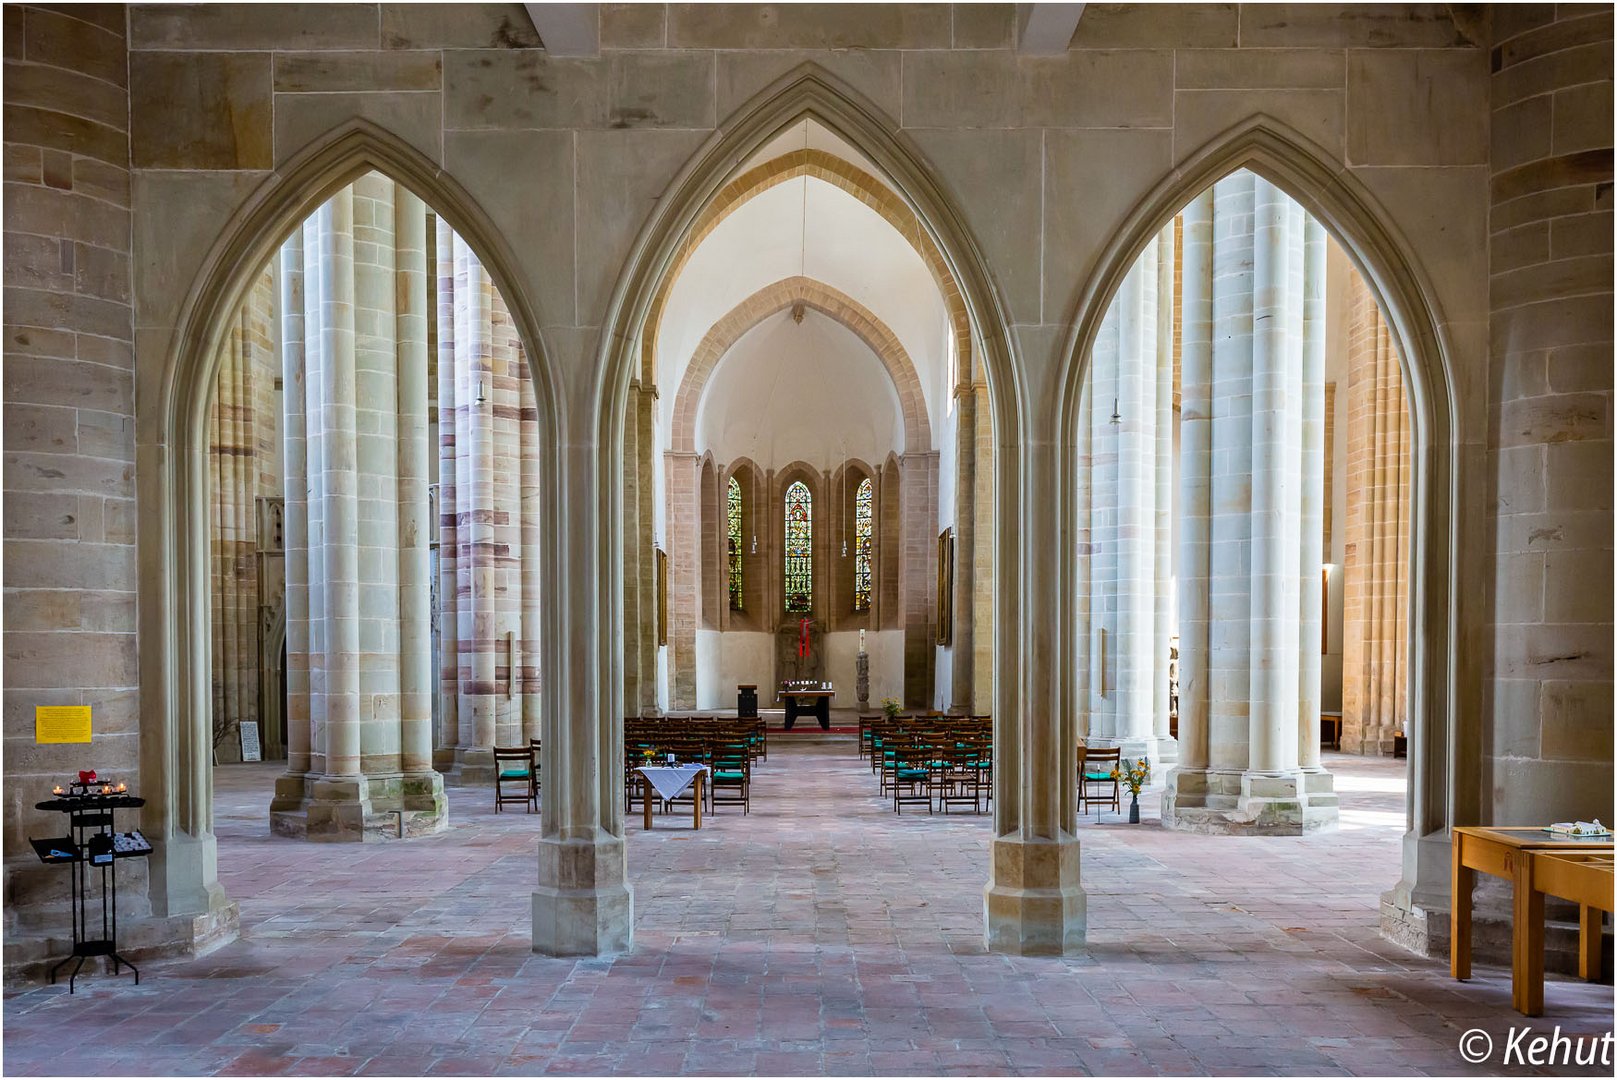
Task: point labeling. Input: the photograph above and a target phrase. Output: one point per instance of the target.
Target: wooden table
(1509, 853)
(1333, 722)
(649, 792)
(816, 701)
(1585, 878)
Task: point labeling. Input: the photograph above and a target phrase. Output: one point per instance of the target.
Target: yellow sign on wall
(61, 723)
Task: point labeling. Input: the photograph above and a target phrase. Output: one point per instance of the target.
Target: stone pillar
(241, 458)
(416, 682)
(1124, 506)
(582, 903)
(982, 555)
(363, 335)
(682, 472)
(1033, 903)
(918, 499)
(1266, 373)
(639, 569)
(962, 671)
(488, 530)
(1375, 552)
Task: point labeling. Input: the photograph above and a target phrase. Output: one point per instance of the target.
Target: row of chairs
(937, 761)
(730, 748)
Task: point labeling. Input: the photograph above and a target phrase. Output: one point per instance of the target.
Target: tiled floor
(820, 934)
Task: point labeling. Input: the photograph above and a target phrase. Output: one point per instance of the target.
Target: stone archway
(845, 176)
(1443, 677)
(834, 304)
(171, 455)
(1033, 902)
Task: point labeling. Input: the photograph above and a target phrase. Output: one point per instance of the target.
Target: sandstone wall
(69, 477)
(1549, 735)
(1044, 157)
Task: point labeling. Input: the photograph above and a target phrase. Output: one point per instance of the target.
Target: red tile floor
(818, 935)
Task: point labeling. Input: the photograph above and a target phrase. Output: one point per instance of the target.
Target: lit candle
(106, 789)
(122, 787)
(57, 790)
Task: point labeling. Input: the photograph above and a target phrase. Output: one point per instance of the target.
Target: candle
(122, 787)
(861, 641)
(57, 790)
(106, 789)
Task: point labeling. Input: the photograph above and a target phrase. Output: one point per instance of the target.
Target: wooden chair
(514, 765)
(1095, 766)
(962, 778)
(912, 774)
(538, 785)
(731, 762)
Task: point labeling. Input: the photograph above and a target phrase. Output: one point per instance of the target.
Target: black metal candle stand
(92, 844)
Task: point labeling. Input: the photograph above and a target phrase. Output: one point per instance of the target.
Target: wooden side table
(1585, 878)
(1508, 852)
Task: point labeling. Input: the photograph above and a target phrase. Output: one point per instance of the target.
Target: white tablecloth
(671, 781)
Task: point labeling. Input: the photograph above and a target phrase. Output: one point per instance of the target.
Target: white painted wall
(806, 227)
(724, 660)
(787, 392)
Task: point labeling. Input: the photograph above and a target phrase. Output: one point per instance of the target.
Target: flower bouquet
(1133, 776)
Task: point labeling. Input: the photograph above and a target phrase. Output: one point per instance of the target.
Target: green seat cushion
(728, 774)
(513, 774)
(1097, 776)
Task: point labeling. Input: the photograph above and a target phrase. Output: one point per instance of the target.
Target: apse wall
(810, 392)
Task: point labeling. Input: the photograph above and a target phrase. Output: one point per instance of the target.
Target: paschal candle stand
(92, 844)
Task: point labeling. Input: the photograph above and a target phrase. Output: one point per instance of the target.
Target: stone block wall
(1042, 159)
(69, 477)
(1549, 733)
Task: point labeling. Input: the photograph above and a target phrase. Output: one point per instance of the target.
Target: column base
(1243, 803)
(583, 905)
(1157, 749)
(358, 809)
(1033, 904)
(466, 766)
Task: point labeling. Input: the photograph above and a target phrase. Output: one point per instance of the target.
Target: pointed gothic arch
(1444, 755)
(171, 448)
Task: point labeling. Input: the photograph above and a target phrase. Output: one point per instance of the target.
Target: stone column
(294, 396)
(416, 681)
(962, 671)
(918, 498)
(1265, 376)
(1033, 903)
(982, 565)
(682, 473)
(639, 569)
(582, 903)
(363, 334)
(1375, 552)
(1125, 502)
(241, 430)
(488, 519)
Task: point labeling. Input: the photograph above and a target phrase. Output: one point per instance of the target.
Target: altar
(808, 697)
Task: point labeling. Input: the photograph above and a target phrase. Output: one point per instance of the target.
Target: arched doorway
(1032, 902)
(172, 448)
(1442, 746)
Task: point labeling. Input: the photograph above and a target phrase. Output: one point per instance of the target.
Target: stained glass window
(799, 548)
(735, 544)
(862, 521)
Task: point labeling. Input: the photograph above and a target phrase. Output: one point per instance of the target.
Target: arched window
(799, 548)
(863, 518)
(735, 544)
